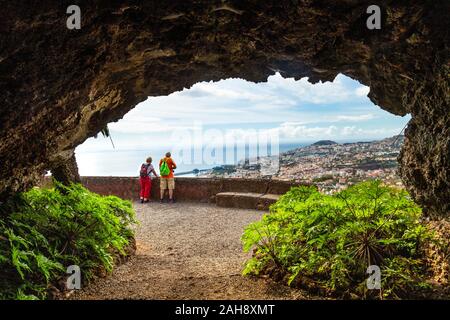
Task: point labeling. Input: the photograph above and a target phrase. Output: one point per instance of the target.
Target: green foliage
(43, 231)
(328, 241)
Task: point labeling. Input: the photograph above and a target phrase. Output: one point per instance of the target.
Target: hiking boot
(171, 201)
(161, 201)
(142, 200)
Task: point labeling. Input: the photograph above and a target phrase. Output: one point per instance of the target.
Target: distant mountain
(324, 143)
(396, 141)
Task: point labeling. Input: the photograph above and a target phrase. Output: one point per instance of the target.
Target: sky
(293, 111)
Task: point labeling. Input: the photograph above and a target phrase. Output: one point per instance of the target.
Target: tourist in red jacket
(145, 181)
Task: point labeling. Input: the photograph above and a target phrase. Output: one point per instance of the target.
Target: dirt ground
(187, 251)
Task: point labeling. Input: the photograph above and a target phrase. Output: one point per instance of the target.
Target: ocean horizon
(124, 163)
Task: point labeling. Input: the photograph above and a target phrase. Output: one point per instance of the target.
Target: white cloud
(333, 119)
(302, 133)
(292, 109)
(238, 101)
(361, 117)
(290, 131)
(362, 91)
(293, 132)
(142, 127)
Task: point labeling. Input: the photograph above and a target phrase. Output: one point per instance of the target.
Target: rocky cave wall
(59, 86)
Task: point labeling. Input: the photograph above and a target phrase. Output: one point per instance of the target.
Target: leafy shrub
(326, 242)
(43, 231)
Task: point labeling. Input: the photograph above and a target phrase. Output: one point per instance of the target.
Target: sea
(127, 162)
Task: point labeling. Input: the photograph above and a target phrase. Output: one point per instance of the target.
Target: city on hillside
(330, 165)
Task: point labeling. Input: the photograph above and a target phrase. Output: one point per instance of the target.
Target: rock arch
(58, 86)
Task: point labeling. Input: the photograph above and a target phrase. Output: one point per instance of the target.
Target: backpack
(164, 169)
(144, 170)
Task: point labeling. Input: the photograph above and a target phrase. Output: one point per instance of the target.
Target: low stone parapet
(189, 189)
(225, 192)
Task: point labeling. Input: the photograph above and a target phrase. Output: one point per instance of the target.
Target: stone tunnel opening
(60, 86)
(232, 128)
(124, 53)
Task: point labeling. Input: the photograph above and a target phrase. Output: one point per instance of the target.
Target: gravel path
(187, 251)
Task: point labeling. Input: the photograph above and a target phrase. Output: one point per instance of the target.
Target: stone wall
(186, 189)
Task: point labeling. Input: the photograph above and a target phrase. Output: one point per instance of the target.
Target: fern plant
(43, 231)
